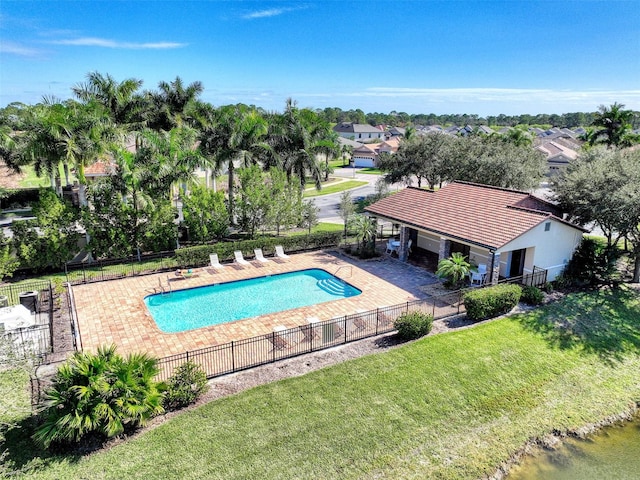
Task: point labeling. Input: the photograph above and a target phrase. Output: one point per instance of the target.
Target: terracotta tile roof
(99, 169)
(478, 214)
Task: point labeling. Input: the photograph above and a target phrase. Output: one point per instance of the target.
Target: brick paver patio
(114, 311)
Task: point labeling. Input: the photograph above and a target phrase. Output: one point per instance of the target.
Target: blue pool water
(199, 307)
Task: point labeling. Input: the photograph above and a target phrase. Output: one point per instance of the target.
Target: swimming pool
(225, 302)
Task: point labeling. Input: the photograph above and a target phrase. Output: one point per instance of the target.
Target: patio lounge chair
(260, 256)
(280, 252)
(215, 263)
(240, 259)
(310, 331)
(359, 321)
(276, 338)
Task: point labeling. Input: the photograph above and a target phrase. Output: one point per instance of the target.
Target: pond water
(613, 453)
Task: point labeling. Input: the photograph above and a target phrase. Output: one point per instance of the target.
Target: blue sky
(481, 57)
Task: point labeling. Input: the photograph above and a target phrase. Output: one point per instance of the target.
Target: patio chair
(476, 278)
(482, 268)
(359, 321)
(280, 252)
(276, 339)
(310, 331)
(389, 249)
(215, 263)
(384, 319)
(240, 259)
(260, 256)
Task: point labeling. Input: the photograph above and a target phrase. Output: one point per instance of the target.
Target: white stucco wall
(545, 249)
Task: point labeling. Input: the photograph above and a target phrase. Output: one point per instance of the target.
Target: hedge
(491, 301)
(199, 255)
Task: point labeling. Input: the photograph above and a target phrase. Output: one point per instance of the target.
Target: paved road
(328, 204)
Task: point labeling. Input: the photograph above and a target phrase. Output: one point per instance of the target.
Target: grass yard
(335, 188)
(371, 171)
(449, 406)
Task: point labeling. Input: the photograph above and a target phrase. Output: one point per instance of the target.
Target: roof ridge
(531, 210)
(492, 187)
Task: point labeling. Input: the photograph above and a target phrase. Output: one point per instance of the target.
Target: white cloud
(105, 43)
(17, 49)
(272, 12)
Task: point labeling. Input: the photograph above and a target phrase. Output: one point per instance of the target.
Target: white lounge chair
(280, 252)
(260, 256)
(240, 259)
(215, 263)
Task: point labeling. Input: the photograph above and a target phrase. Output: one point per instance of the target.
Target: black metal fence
(251, 352)
(34, 341)
(111, 269)
(538, 278)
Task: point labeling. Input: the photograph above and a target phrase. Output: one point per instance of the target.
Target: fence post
(84, 274)
(377, 319)
(345, 329)
(50, 317)
(233, 356)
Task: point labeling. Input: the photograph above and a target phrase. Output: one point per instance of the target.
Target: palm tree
(295, 136)
(455, 269)
(121, 100)
(171, 105)
(615, 126)
(101, 393)
(234, 136)
(365, 230)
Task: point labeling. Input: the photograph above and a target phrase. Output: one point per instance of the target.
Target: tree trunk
(230, 193)
(636, 269)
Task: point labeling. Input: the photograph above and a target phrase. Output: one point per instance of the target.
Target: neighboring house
(396, 132)
(367, 154)
(512, 232)
(558, 155)
(99, 169)
(359, 132)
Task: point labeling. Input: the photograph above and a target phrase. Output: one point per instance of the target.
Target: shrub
(185, 386)
(491, 301)
(99, 393)
(591, 265)
(532, 295)
(412, 325)
(199, 255)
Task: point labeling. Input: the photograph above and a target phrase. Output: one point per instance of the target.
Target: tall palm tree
(121, 100)
(235, 136)
(172, 103)
(295, 136)
(615, 126)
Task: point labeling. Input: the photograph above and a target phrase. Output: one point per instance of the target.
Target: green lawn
(335, 188)
(372, 171)
(448, 406)
(31, 180)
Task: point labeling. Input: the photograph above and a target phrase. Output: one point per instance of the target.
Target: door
(516, 265)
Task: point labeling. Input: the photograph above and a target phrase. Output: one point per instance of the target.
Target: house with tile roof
(512, 232)
(367, 154)
(558, 155)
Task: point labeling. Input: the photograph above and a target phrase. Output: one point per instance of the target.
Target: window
(547, 226)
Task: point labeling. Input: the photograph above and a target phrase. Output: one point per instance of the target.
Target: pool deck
(114, 311)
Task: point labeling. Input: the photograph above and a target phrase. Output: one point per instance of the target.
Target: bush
(491, 301)
(99, 393)
(186, 385)
(198, 256)
(412, 325)
(591, 265)
(532, 295)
